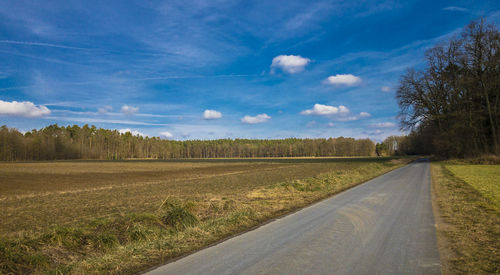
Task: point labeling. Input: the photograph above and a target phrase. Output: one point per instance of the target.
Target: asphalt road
(384, 226)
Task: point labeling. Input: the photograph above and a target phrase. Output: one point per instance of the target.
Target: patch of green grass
(139, 233)
(468, 220)
(70, 238)
(18, 256)
(484, 178)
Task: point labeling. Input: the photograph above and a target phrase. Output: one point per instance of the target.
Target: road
(384, 226)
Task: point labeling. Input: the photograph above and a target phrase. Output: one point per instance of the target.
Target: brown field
(103, 216)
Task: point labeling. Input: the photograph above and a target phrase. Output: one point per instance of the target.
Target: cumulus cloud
(211, 114)
(385, 89)
(331, 124)
(166, 134)
(23, 109)
(383, 125)
(326, 110)
(364, 115)
(255, 119)
(340, 113)
(133, 132)
(129, 110)
(290, 63)
(343, 80)
(354, 117)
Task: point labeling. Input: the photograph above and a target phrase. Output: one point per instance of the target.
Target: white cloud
(290, 63)
(133, 132)
(364, 115)
(129, 110)
(326, 110)
(383, 125)
(331, 124)
(385, 89)
(167, 134)
(211, 114)
(23, 109)
(356, 117)
(105, 109)
(343, 79)
(340, 113)
(255, 119)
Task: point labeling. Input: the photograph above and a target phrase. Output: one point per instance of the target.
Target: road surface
(384, 226)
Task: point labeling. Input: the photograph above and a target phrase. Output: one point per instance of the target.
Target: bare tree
(454, 100)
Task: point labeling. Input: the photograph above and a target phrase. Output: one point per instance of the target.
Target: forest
(88, 142)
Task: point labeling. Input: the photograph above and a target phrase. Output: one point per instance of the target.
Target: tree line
(452, 106)
(88, 142)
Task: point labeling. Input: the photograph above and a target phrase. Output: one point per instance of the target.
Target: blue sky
(219, 69)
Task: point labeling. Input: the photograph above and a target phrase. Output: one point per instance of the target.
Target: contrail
(28, 43)
(41, 44)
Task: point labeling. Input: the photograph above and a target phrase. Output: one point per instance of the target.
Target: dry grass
(469, 227)
(87, 217)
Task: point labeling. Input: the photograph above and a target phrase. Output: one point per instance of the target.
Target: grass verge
(468, 217)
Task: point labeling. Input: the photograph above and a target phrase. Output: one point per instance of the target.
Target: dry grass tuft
(177, 214)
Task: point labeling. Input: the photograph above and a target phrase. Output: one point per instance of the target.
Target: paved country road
(384, 226)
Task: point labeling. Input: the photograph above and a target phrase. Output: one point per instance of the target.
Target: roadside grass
(484, 178)
(127, 217)
(468, 224)
(177, 214)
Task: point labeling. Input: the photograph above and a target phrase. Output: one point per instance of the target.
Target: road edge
(445, 252)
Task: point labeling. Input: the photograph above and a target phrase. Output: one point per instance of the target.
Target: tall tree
(453, 103)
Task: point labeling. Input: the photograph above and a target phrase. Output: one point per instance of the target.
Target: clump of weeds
(177, 214)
